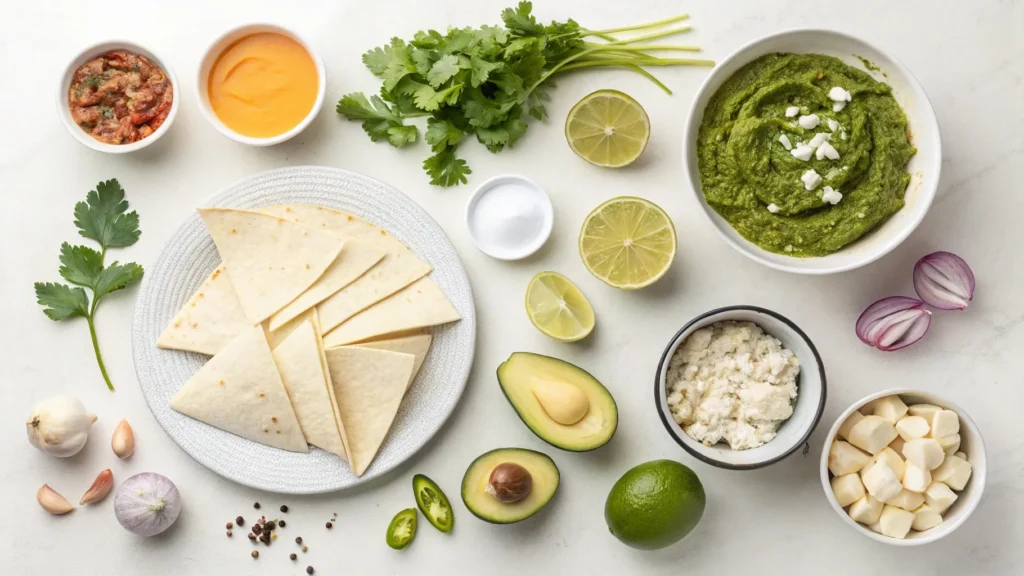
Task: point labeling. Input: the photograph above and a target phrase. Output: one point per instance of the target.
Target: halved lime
(628, 242)
(557, 307)
(608, 128)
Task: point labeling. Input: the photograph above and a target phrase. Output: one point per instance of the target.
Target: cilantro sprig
(103, 218)
(487, 82)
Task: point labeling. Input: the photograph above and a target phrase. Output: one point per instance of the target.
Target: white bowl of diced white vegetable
(904, 467)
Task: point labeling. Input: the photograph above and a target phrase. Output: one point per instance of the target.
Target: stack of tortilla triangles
(275, 376)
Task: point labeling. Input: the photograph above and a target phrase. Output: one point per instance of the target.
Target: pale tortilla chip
(355, 259)
(399, 268)
(298, 361)
(270, 260)
(369, 386)
(240, 390)
(418, 345)
(420, 305)
(330, 385)
(209, 321)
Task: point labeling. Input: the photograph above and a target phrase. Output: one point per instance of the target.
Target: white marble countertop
(968, 56)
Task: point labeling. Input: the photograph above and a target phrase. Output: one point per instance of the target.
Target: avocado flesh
(523, 372)
(486, 507)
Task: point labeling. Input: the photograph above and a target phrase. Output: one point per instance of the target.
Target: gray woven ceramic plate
(190, 256)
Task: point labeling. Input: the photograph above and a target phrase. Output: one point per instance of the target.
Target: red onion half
(944, 281)
(893, 323)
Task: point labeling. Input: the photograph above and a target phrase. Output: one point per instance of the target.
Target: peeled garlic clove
(53, 502)
(123, 441)
(99, 489)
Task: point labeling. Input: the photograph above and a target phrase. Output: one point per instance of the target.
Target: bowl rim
(546, 207)
(926, 113)
(669, 423)
(978, 477)
(209, 56)
(91, 51)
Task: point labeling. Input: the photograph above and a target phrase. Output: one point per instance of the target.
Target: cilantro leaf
(115, 277)
(428, 99)
(481, 70)
(61, 301)
(80, 265)
(519, 20)
(378, 118)
(423, 60)
(102, 217)
(445, 169)
(377, 59)
(442, 134)
(402, 135)
(443, 70)
(494, 138)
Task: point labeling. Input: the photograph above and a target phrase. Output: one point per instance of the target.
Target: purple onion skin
(880, 309)
(944, 281)
(147, 504)
(906, 333)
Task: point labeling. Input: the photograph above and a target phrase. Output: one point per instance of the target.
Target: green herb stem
(650, 77)
(637, 62)
(655, 24)
(643, 48)
(651, 36)
(96, 348)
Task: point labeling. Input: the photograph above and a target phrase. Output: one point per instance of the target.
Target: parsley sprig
(486, 82)
(104, 218)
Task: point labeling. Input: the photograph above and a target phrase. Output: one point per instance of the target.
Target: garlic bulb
(59, 426)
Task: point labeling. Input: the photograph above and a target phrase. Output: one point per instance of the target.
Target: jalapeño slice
(433, 503)
(402, 529)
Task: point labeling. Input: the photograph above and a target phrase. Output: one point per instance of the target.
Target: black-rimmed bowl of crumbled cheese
(740, 387)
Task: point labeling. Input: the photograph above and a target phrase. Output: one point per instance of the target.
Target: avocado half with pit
(561, 403)
(509, 484)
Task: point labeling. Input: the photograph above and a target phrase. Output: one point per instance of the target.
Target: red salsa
(120, 97)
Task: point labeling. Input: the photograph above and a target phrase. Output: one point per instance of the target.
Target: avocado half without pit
(561, 403)
(509, 484)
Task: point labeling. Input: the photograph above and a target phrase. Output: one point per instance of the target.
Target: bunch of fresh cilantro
(486, 81)
(104, 218)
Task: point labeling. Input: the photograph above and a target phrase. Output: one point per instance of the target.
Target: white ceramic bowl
(222, 43)
(967, 499)
(544, 223)
(793, 433)
(924, 167)
(64, 111)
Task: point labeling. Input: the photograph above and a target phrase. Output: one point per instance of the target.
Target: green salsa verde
(745, 168)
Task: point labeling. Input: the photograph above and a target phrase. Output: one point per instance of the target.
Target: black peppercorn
(293, 556)
(257, 529)
(270, 526)
(280, 523)
(240, 521)
(229, 525)
(255, 554)
(309, 569)
(298, 539)
(329, 525)
(256, 505)
(265, 538)
(284, 508)
(229, 533)
(252, 536)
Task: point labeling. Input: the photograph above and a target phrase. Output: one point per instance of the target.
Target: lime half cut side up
(557, 307)
(608, 128)
(628, 242)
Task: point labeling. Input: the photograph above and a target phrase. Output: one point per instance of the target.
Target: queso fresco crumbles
(803, 154)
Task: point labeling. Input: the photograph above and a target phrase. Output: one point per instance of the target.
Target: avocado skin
(473, 499)
(588, 379)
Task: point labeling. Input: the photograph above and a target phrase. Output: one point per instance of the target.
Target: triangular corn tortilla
(240, 390)
(209, 321)
(270, 260)
(418, 345)
(298, 361)
(369, 386)
(330, 384)
(399, 268)
(420, 305)
(355, 259)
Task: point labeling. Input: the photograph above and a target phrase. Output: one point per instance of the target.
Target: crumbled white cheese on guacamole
(732, 382)
(811, 179)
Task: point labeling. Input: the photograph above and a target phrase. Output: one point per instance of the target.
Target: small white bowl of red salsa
(117, 97)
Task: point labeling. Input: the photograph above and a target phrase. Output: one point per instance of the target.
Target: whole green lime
(655, 505)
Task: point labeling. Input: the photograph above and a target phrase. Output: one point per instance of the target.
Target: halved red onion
(944, 280)
(893, 323)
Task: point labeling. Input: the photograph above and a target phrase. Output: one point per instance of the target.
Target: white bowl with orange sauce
(261, 84)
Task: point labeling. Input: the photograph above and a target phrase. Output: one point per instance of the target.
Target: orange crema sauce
(263, 85)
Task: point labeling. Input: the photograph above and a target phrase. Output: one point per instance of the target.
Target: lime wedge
(628, 242)
(608, 128)
(558, 308)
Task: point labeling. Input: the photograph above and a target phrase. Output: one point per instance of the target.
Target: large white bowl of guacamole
(812, 151)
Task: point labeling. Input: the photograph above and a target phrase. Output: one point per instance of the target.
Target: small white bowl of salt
(509, 217)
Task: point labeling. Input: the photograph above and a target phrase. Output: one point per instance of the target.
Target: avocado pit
(509, 482)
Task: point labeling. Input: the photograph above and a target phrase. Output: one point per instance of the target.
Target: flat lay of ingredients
(310, 329)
